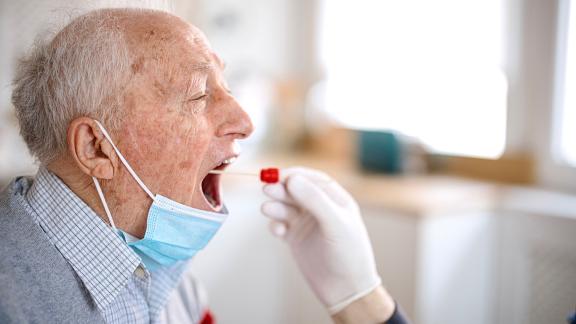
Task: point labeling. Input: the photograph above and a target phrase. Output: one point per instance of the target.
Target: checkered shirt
(121, 287)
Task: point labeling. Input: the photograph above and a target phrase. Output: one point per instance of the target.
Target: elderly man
(127, 111)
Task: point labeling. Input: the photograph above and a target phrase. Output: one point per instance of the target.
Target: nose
(236, 122)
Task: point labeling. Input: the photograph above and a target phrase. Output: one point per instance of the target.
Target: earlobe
(102, 171)
(90, 150)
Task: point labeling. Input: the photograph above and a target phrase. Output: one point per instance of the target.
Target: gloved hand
(322, 224)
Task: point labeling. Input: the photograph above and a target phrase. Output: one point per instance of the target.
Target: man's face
(181, 120)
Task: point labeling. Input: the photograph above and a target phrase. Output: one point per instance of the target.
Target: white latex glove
(322, 224)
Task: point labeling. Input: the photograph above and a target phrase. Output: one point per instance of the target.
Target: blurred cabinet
(512, 261)
(537, 268)
(437, 266)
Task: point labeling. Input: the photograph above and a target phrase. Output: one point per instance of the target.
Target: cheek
(169, 141)
(192, 134)
(191, 143)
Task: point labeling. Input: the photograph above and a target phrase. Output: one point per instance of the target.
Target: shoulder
(18, 230)
(35, 280)
(12, 202)
(20, 235)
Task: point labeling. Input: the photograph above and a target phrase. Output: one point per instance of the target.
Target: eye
(198, 97)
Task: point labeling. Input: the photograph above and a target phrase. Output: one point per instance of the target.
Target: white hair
(79, 72)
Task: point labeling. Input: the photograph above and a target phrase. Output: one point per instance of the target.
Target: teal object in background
(380, 151)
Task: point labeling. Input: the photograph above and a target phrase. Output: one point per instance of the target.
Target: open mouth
(211, 186)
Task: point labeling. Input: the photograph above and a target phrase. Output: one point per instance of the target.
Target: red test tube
(270, 175)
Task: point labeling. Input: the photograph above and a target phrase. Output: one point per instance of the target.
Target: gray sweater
(37, 285)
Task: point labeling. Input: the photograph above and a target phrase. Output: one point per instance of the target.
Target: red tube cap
(270, 175)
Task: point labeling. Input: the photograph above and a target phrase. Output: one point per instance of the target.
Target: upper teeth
(230, 160)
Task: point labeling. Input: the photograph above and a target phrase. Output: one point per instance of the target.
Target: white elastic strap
(106, 209)
(341, 305)
(130, 170)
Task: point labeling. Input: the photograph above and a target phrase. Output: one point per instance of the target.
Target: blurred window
(566, 149)
(428, 69)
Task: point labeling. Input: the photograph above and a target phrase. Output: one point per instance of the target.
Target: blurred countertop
(411, 194)
(420, 195)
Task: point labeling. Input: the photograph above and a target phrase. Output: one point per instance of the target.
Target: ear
(91, 151)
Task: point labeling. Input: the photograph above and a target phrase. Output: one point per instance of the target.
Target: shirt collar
(101, 259)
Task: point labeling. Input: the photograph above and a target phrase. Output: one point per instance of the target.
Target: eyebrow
(208, 66)
(193, 82)
(201, 67)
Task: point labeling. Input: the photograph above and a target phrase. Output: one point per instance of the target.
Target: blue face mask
(174, 232)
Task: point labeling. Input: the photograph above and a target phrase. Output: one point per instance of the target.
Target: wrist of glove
(322, 225)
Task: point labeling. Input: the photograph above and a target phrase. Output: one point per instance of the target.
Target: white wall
(531, 65)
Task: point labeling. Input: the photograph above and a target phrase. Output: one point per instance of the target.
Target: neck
(127, 202)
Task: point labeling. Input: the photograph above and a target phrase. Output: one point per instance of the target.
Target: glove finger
(278, 229)
(279, 211)
(301, 228)
(325, 182)
(338, 194)
(278, 192)
(310, 197)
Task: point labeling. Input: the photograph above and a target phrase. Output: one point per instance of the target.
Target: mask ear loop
(106, 209)
(130, 170)
(123, 160)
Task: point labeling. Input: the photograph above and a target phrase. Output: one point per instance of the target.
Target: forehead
(195, 47)
(169, 40)
(171, 59)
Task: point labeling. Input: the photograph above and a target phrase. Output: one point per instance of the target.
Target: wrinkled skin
(180, 121)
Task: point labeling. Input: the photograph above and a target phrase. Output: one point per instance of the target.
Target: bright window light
(567, 145)
(428, 69)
